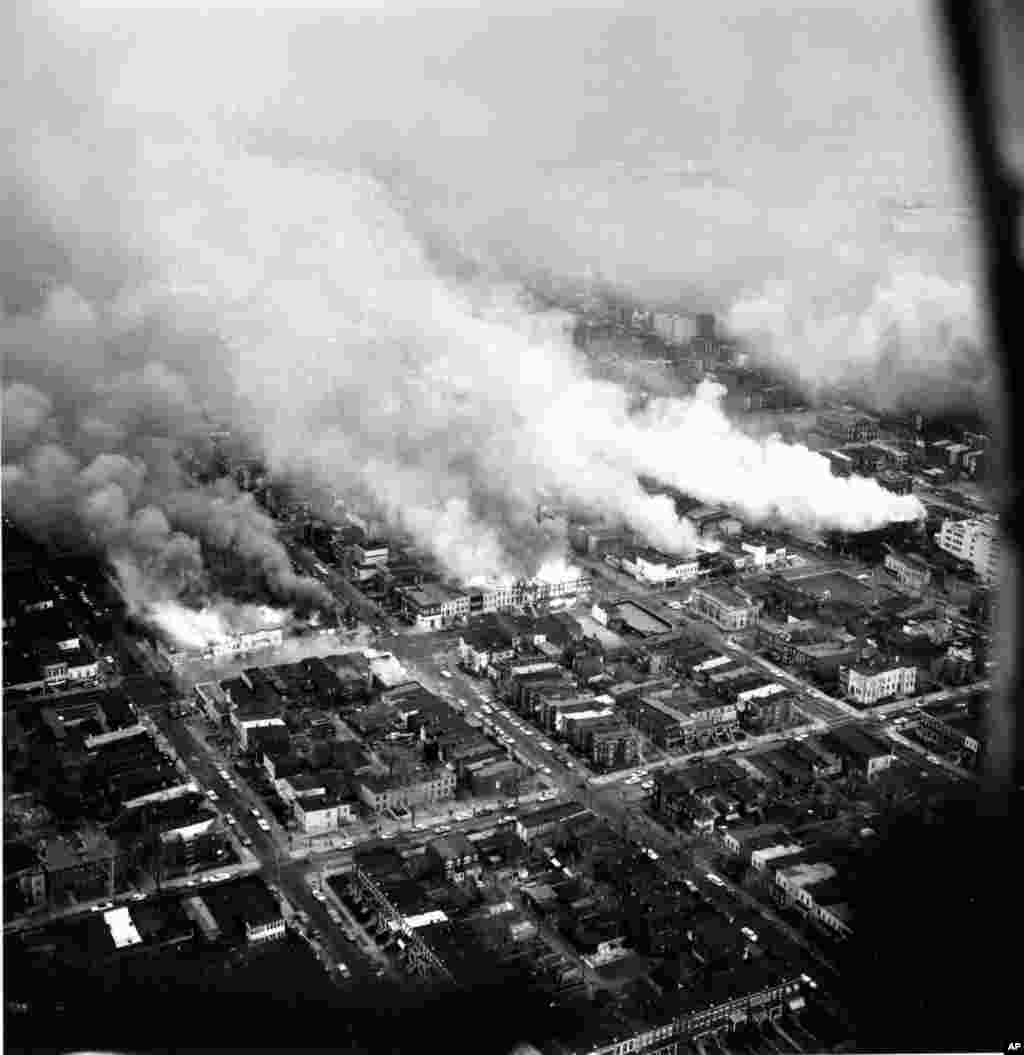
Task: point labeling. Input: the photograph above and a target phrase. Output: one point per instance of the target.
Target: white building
(764, 556)
(867, 684)
(659, 569)
(976, 541)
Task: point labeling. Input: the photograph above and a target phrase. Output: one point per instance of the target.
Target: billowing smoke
(200, 629)
(232, 248)
(908, 338)
(159, 530)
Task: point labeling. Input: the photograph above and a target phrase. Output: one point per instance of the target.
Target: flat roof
(726, 595)
(641, 619)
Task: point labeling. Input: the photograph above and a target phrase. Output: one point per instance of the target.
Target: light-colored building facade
(727, 608)
(911, 571)
(870, 684)
(659, 569)
(976, 541)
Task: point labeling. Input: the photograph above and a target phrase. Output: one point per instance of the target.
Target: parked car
(263, 825)
(255, 812)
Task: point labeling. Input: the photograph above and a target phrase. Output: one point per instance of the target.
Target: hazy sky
(666, 145)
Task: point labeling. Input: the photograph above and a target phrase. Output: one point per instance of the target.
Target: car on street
(319, 895)
(246, 841)
(212, 795)
(102, 906)
(138, 896)
(712, 878)
(255, 812)
(749, 933)
(263, 825)
(446, 673)
(546, 769)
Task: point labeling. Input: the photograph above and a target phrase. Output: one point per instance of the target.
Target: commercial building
(868, 683)
(373, 552)
(847, 427)
(726, 607)
(812, 887)
(244, 910)
(658, 569)
(911, 571)
(635, 618)
(975, 540)
(596, 541)
(533, 825)
(859, 751)
(249, 711)
(710, 521)
(433, 606)
(238, 644)
(426, 786)
(481, 645)
(764, 554)
(321, 801)
(950, 729)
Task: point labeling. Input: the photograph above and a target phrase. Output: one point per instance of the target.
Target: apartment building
(975, 540)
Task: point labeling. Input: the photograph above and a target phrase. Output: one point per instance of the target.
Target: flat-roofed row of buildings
(432, 606)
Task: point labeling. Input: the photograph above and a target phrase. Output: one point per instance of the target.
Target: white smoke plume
(230, 246)
(907, 337)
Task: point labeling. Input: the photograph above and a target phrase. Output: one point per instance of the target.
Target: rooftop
(724, 595)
